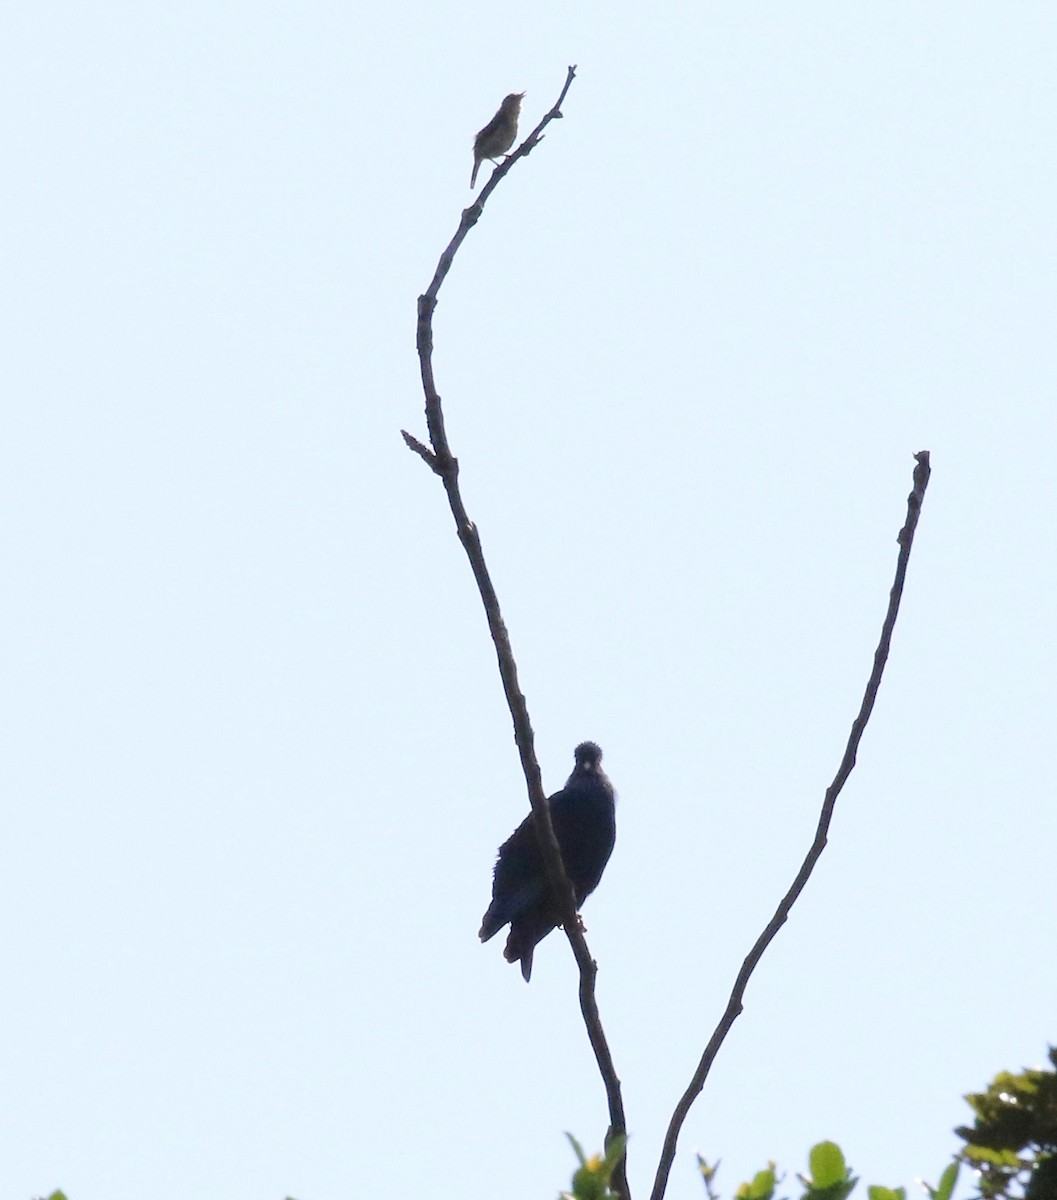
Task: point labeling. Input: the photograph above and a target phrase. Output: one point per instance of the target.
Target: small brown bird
(498, 135)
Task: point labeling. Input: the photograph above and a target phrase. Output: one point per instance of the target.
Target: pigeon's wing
(519, 882)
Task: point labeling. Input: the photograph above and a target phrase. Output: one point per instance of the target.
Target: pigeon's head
(588, 756)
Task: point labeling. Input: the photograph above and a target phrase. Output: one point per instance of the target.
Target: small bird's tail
(476, 166)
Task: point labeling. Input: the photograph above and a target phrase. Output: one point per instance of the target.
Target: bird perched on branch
(498, 135)
(584, 820)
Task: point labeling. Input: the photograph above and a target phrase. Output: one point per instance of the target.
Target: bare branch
(439, 458)
(424, 452)
(734, 1004)
(531, 142)
(471, 215)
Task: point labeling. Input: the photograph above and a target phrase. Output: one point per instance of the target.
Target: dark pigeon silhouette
(584, 820)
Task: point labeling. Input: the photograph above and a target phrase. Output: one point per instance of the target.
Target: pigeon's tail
(517, 948)
(519, 944)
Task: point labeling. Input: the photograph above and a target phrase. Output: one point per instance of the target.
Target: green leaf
(708, 1173)
(614, 1153)
(884, 1193)
(947, 1181)
(588, 1183)
(762, 1186)
(827, 1165)
(997, 1158)
(577, 1148)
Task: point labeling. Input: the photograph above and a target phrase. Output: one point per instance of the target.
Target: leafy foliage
(591, 1178)
(830, 1178)
(1011, 1147)
(1012, 1144)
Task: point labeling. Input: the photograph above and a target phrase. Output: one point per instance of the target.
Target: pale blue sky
(257, 760)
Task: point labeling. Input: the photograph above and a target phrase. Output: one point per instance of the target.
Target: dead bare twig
(734, 1004)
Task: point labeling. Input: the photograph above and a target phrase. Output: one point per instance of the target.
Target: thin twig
(424, 452)
(734, 1004)
(439, 458)
(471, 215)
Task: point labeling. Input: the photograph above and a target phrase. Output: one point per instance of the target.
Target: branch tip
(423, 451)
